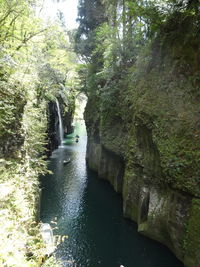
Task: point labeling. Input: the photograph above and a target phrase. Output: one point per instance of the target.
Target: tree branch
(26, 39)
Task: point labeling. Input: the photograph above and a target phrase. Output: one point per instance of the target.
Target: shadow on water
(89, 212)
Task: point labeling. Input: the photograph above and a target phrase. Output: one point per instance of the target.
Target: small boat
(48, 238)
(66, 161)
(76, 140)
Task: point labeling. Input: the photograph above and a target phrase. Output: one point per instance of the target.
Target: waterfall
(61, 132)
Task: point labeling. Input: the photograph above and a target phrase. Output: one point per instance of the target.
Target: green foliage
(109, 47)
(20, 191)
(56, 65)
(36, 65)
(18, 25)
(114, 35)
(91, 14)
(144, 64)
(40, 67)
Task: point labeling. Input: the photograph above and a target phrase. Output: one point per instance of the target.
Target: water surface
(89, 212)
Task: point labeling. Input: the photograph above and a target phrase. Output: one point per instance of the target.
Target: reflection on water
(90, 213)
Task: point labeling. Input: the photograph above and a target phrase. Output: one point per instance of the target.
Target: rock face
(67, 112)
(129, 158)
(53, 127)
(109, 165)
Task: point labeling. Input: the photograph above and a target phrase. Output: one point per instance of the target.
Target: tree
(91, 14)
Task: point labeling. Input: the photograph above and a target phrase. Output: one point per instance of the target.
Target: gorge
(89, 212)
(131, 195)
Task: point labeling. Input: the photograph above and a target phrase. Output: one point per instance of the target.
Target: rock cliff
(145, 144)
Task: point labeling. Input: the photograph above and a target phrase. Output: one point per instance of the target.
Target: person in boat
(77, 140)
(77, 136)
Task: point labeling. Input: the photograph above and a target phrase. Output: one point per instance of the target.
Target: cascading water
(61, 132)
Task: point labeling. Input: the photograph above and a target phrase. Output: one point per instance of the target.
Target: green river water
(89, 212)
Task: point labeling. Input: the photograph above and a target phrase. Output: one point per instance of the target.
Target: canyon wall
(145, 144)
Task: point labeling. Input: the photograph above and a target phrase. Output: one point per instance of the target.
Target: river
(89, 212)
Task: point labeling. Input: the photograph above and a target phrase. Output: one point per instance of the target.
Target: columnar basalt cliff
(142, 117)
(141, 147)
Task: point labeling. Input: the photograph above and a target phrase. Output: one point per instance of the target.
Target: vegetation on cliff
(142, 65)
(36, 66)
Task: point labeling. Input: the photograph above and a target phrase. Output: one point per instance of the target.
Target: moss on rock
(192, 241)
